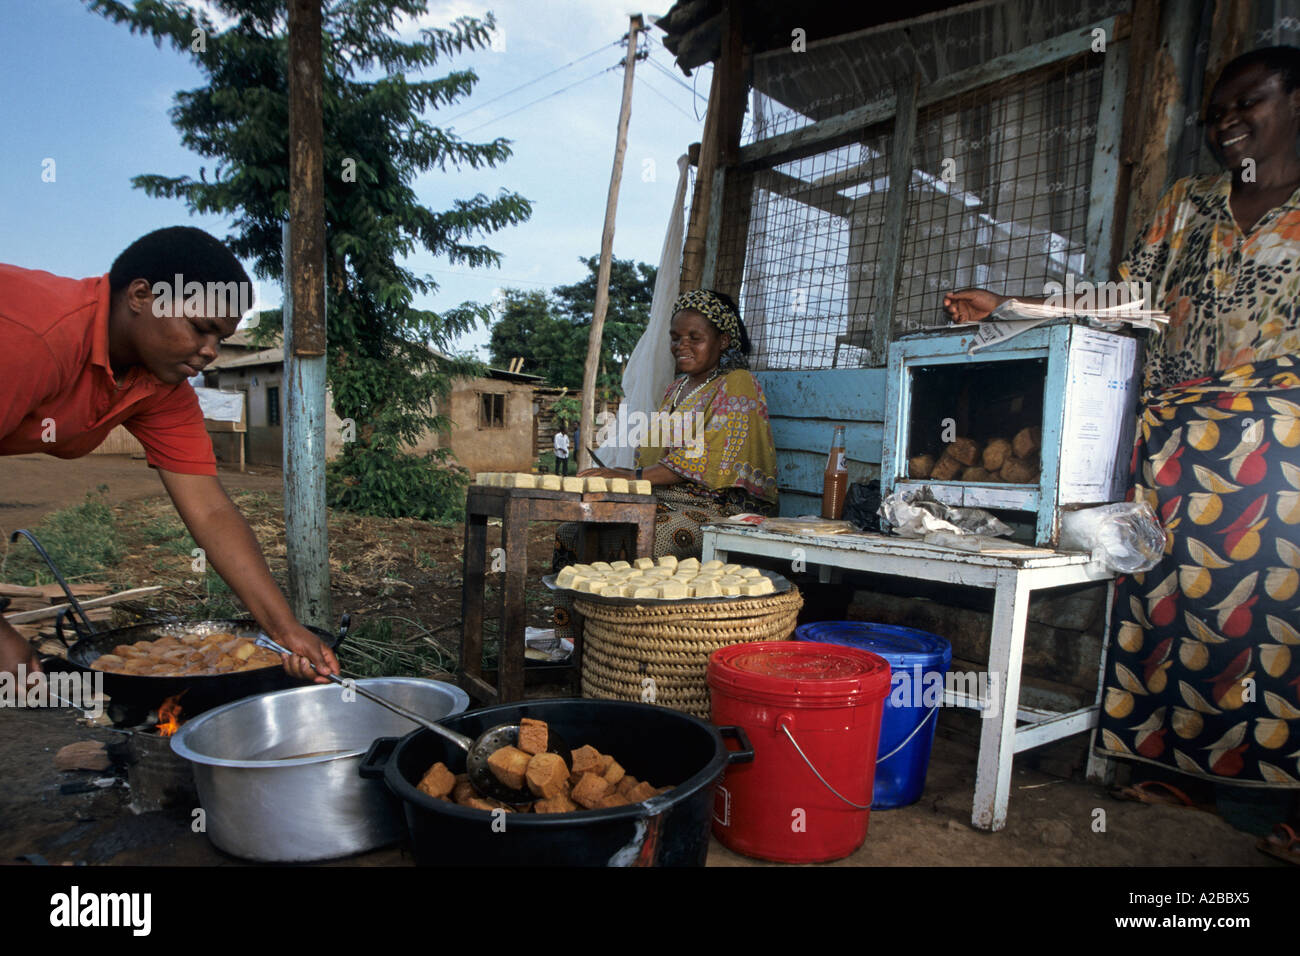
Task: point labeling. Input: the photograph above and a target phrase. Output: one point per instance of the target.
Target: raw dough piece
(651, 592)
(618, 485)
(672, 590)
(750, 573)
(731, 569)
(705, 589)
(601, 566)
(595, 484)
(714, 565)
(686, 563)
(759, 586)
(642, 487)
(552, 482)
(572, 484)
(668, 561)
(620, 565)
(728, 589)
(643, 563)
(565, 578)
(525, 481)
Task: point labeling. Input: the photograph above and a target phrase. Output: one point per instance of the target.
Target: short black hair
(178, 250)
(1283, 60)
(730, 303)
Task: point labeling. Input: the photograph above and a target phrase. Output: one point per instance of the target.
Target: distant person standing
(561, 453)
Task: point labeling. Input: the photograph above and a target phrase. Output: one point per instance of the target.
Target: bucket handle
(906, 740)
(786, 730)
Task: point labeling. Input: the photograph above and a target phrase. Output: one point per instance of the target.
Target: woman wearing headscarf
(1203, 670)
(724, 461)
(716, 459)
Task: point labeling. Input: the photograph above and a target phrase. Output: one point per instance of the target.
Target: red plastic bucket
(812, 713)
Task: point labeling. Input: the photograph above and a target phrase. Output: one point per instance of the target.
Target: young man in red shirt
(80, 356)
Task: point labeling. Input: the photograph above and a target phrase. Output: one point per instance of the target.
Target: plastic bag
(862, 505)
(913, 513)
(1125, 536)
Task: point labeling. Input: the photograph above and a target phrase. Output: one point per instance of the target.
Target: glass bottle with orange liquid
(835, 485)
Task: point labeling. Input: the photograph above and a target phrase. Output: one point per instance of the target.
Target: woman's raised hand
(971, 305)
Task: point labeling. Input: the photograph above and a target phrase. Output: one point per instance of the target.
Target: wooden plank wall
(120, 442)
(804, 408)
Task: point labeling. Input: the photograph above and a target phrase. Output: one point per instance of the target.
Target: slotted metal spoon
(477, 751)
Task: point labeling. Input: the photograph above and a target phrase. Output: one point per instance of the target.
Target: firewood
(25, 617)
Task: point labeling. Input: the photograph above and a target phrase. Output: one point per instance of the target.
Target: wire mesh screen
(810, 252)
(999, 190)
(998, 194)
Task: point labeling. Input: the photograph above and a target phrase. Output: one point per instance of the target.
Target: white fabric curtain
(650, 367)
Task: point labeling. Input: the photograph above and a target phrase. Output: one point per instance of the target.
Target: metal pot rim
(181, 747)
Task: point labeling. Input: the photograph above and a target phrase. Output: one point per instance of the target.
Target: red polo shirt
(56, 382)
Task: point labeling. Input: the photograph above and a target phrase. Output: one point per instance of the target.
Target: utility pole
(306, 530)
(635, 25)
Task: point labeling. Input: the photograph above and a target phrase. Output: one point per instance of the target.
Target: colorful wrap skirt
(1203, 665)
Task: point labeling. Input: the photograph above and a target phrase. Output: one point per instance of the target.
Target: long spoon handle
(459, 740)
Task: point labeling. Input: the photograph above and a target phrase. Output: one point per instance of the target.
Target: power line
(641, 79)
(542, 98)
(672, 75)
(532, 81)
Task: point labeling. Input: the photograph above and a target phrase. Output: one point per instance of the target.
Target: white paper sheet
(1097, 402)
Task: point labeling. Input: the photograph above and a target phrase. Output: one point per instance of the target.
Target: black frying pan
(201, 693)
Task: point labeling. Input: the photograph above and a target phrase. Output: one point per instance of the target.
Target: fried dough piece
(509, 765)
(437, 781)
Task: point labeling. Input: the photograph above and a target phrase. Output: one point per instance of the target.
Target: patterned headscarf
(723, 317)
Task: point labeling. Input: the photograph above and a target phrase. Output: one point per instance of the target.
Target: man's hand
(972, 305)
(16, 649)
(308, 649)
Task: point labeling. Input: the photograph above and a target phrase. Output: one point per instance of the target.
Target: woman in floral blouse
(1203, 671)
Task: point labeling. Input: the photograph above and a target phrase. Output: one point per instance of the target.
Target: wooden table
(517, 508)
(1011, 577)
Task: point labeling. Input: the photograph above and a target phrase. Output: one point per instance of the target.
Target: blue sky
(88, 95)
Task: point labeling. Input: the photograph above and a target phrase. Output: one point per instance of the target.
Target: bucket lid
(794, 672)
(903, 647)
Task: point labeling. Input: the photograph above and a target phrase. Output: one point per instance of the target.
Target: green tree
(631, 291)
(378, 138)
(551, 333)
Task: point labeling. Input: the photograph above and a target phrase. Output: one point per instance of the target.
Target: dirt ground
(31, 486)
(397, 571)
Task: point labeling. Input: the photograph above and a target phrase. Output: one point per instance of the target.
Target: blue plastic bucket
(918, 663)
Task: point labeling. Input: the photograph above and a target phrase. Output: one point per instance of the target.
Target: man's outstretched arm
(233, 551)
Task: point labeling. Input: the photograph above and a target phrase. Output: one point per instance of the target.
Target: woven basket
(671, 644)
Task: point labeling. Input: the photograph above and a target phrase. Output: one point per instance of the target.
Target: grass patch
(169, 534)
(394, 647)
(82, 541)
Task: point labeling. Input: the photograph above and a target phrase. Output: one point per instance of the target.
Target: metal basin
(278, 777)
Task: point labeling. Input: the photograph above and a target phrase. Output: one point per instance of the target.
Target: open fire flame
(169, 712)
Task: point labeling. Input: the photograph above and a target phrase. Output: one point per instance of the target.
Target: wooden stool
(517, 508)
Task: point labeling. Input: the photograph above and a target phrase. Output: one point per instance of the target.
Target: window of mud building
(492, 410)
(273, 406)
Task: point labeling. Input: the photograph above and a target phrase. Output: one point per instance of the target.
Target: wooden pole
(305, 526)
(606, 252)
